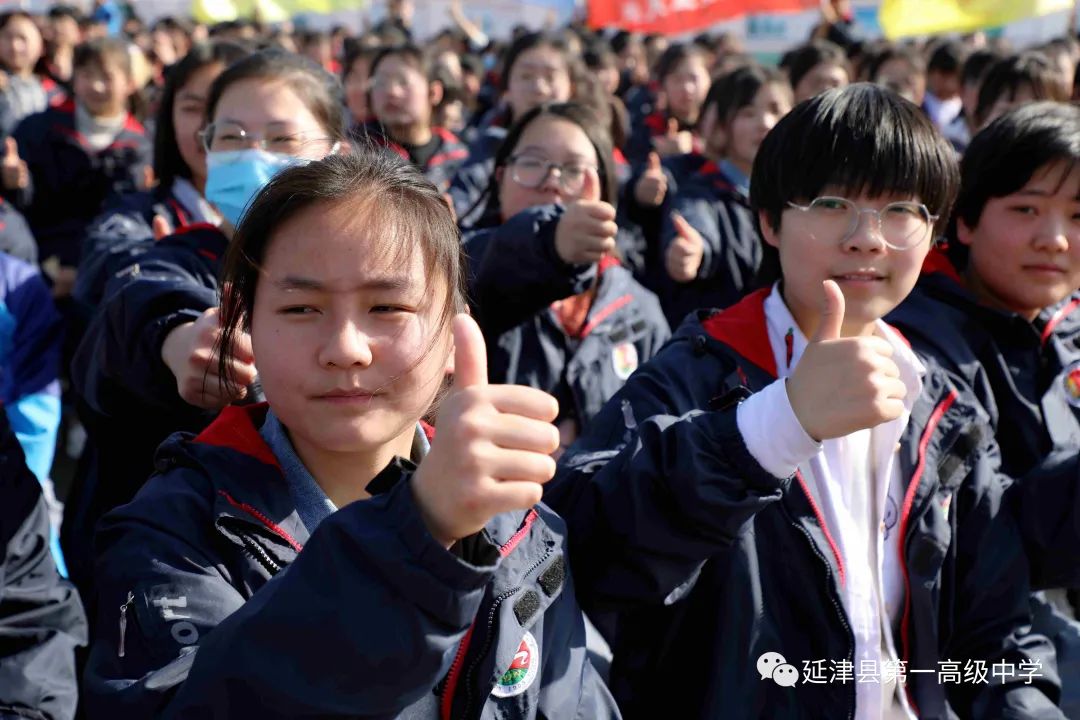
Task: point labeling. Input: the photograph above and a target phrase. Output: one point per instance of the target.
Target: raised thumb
(832, 313)
(672, 127)
(470, 353)
(682, 228)
(654, 162)
(161, 227)
(11, 149)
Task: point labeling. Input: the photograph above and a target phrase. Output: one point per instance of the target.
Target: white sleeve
(772, 433)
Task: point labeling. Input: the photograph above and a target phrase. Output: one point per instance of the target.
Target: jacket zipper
(123, 620)
(836, 606)
(259, 555)
(489, 635)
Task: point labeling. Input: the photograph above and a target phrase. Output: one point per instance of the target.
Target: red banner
(674, 17)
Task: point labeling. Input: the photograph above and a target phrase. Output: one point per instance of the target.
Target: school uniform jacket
(1026, 375)
(41, 619)
(473, 177)
(715, 562)
(70, 182)
(15, 236)
(439, 169)
(734, 254)
(516, 275)
(120, 234)
(231, 609)
(127, 396)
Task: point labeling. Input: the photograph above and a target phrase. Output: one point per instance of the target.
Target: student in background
(816, 67)
(23, 91)
(61, 166)
(683, 76)
(404, 95)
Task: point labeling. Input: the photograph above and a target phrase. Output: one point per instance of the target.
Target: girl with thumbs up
(560, 312)
(328, 554)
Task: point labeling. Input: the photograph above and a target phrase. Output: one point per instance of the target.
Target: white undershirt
(856, 482)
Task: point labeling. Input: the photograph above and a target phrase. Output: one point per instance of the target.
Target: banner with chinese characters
(674, 17)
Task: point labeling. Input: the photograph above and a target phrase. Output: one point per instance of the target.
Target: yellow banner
(271, 11)
(901, 18)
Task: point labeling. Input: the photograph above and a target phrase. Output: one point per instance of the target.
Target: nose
(553, 180)
(866, 237)
(347, 346)
(1053, 234)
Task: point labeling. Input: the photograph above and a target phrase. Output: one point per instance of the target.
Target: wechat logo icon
(773, 666)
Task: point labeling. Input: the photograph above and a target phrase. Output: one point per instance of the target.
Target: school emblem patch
(625, 359)
(523, 670)
(1071, 382)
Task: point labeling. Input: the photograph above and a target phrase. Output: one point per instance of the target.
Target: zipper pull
(123, 619)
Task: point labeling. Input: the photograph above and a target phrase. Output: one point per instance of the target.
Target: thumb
(682, 228)
(161, 227)
(672, 127)
(148, 176)
(654, 162)
(470, 353)
(832, 313)
(11, 149)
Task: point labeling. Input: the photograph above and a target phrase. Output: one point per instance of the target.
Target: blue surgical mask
(234, 178)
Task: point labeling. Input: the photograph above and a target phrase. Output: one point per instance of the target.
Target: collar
(194, 203)
(738, 178)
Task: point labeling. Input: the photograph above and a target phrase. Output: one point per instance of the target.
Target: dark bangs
(859, 140)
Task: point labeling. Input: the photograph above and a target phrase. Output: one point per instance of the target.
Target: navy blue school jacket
(232, 610)
(735, 257)
(473, 178)
(1026, 374)
(127, 396)
(69, 182)
(41, 619)
(439, 169)
(516, 275)
(715, 562)
(642, 133)
(120, 234)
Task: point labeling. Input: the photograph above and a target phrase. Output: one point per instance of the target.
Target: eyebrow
(544, 151)
(293, 283)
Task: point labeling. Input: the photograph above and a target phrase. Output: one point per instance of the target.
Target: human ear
(964, 234)
(435, 93)
(770, 234)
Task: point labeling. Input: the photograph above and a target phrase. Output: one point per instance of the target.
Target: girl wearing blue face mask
(147, 365)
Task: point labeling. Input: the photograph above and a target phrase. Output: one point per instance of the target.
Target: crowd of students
(575, 375)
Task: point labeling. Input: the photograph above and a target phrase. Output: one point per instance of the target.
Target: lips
(859, 276)
(346, 394)
(1045, 268)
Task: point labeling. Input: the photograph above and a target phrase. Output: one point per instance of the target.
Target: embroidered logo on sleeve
(523, 670)
(624, 357)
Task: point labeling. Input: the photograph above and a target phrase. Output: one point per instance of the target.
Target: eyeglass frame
(548, 167)
(859, 212)
(247, 138)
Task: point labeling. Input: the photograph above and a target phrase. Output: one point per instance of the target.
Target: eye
(829, 205)
(1024, 210)
(904, 211)
(298, 310)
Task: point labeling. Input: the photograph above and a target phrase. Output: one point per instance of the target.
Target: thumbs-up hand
(586, 232)
(161, 227)
(673, 141)
(844, 384)
(651, 187)
(14, 173)
(683, 257)
(492, 449)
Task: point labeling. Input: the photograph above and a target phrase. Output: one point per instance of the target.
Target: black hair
(800, 61)
(676, 55)
(736, 89)
(95, 53)
(319, 90)
(1007, 153)
(906, 53)
(353, 52)
(58, 11)
(948, 57)
(168, 163)
(977, 64)
(581, 115)
(387, 190)
(862, 139)
(411, 54)
(624, 39)
(1031, 70)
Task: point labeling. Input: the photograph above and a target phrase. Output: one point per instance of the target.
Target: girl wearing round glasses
(558, 309)
(148, 365)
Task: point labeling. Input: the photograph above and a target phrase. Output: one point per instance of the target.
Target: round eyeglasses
(902, 225)
(532, 172)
